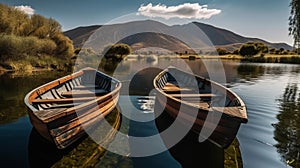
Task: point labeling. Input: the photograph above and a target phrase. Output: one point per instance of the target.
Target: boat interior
(196, 90)
(72, 90)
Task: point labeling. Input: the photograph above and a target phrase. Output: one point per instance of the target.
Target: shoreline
(268, 58)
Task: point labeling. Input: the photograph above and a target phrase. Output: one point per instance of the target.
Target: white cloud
(26, 9)
(186, 10)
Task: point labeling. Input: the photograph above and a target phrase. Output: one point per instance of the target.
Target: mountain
(156, 34)
(80, 34)
(227, 39)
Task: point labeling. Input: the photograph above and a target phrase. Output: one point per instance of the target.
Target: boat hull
(222, 133)
(195, 105)
(64, 120)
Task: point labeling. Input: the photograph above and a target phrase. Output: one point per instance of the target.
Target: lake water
(269, 139)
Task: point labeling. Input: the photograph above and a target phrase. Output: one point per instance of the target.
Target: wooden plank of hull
(53, 114)
(201, 113)
(222, 134)
(64, 139)
(70, 133)
(82, 117)
(40, 127)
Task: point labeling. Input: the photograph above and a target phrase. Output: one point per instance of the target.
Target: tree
(236, 52)
(222, 51)
(272, 50)
(261, 47)
(64, 47)
(294, 22)
(253, 48)
(281, 50)
(122, 49)
(117, 51)
(248, 49)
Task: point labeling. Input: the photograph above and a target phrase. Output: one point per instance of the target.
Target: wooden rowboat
(196, 99)
(62, 110)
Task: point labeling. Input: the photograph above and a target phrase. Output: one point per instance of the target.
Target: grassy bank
(286, 59)
(31, 63)
(268, 58)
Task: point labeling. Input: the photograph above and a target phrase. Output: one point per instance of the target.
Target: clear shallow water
(260, 146)
(269, 139)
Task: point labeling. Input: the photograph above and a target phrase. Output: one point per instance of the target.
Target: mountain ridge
(219, 37)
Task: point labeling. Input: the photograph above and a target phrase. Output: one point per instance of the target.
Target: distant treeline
(23, 37)
(286, 60)
(257, 48)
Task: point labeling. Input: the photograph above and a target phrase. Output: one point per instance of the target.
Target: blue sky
(266, 19)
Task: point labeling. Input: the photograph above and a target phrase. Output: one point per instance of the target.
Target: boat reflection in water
(84, 153)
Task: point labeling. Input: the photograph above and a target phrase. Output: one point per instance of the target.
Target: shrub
(253, 48)
(47, 47)
(10, 47)
(222, 51)
(248, 50)
(236, 52)
(272, 50)
(117, 51)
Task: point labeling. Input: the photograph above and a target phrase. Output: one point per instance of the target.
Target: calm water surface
(270, 138)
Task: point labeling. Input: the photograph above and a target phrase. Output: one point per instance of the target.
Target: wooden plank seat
(62, 101)
(86, 87)
(55, 106)
(175, 89)
(83, 93)
(193, 95)
(203, 104)
(170, 84)
(169, 87)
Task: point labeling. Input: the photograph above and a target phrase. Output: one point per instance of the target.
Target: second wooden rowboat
(62, 110)
(181, 92)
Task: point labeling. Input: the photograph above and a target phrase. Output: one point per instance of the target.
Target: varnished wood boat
(195, 97)
(62, 110)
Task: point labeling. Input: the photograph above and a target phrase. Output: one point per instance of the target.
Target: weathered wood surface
(45, 115)
(60, 108)
(170, 87)
(188, 102)
(233, 112)
(63, 101)
(86, 87)
(92, 114)
(79, 125)
(52, 85)
(175, 89)
(193, 95)
(82, 93)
